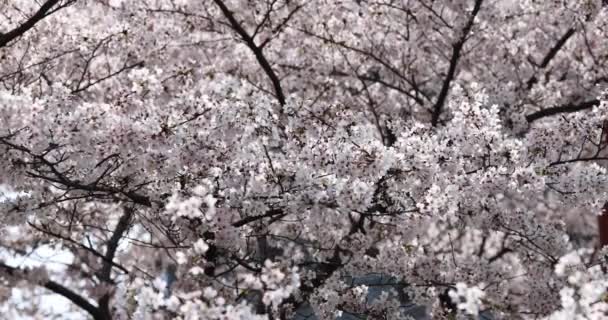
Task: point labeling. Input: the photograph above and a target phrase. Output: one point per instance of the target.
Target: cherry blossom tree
(285, 159)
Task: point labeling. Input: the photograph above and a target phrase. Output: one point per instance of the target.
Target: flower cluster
(280, 159)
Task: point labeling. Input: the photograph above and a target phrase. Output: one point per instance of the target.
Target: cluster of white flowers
(583, 294)
(245, 159)
(468, 299)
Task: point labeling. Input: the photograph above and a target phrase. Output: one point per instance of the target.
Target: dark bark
(551, 54)
(63, 291)
(45, 10)
(456, 52)
(602, 223)
(257, 51)
(568, 108)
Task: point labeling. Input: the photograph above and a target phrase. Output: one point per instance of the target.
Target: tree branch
(393, 69)
(94, 252)
(568, 108)
(43, 12)
(456, 51)
(56, 176)
(551, 54)
(257, 51)
(123, 225)
(270, 213)
(59, 289)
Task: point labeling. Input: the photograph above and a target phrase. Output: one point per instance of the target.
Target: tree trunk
(602, 223)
